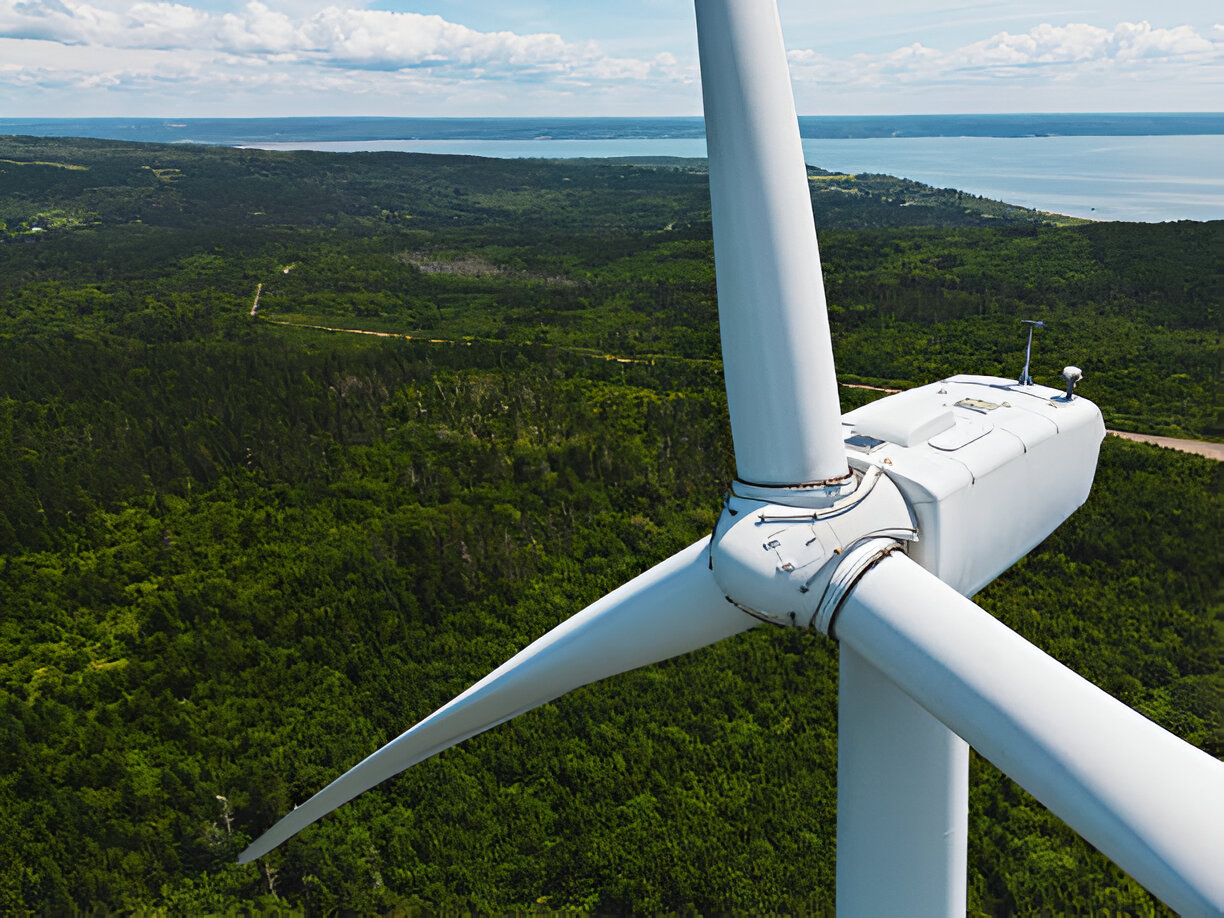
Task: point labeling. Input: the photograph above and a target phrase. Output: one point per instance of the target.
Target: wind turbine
(873, 528)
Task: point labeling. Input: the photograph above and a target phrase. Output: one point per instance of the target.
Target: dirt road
(1198, 447)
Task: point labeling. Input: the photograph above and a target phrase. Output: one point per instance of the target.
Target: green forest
(239, 552)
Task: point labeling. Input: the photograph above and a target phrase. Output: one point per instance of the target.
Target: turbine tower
(872, 528)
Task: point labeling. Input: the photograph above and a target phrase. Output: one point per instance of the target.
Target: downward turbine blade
(1149, 801)
(671, 609)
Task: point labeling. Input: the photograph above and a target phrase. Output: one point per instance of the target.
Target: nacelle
(988, 467)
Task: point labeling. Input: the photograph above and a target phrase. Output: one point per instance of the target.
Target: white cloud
(259, 30)
(311, 57)
(143, 25)
(381, 40)
(162, 25)
(1074, 67)
(335, 60)
(1077, 42)
(1141, 40)
(1044, 46)
(357, 39)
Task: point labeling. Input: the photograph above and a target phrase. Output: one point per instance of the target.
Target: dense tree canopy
(237, 555)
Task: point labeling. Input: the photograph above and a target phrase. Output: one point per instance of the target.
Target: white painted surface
(902, 801)
(1149, 801)
(906, 419)
(777, 559)
(997, 481)
(777, 355)
(671, 609)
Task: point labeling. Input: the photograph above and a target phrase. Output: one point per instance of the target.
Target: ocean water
(1142, 167)
(1139, 178)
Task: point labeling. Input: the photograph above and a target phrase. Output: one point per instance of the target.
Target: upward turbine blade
(671, 609)
(1149, 801)
(777, 354)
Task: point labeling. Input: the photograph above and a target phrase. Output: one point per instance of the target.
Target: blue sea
(1141, 167)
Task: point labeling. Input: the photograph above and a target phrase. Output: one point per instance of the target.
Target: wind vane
(1025, 378)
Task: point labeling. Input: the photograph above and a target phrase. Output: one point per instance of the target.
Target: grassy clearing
(73, 167)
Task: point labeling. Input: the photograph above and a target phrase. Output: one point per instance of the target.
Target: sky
(473, 58)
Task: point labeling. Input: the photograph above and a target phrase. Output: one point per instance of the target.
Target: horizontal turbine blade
(671, 609)
(1149, 801)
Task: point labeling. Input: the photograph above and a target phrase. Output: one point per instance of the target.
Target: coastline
(1100, 167)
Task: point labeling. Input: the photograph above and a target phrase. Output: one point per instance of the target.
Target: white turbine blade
(673, 608)
(777, 354)
(1149, 801)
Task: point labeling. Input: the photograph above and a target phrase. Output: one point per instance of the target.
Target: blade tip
(255, 850)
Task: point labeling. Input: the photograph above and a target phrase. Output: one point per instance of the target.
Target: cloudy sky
(202, 58)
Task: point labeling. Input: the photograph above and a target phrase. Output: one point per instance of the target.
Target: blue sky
(201, 58)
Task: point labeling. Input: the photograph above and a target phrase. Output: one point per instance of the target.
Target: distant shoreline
(237, 131)
(1114, 167)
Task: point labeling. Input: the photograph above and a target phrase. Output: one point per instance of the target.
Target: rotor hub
(775, 560)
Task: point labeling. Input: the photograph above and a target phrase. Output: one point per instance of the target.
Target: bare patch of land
(1198, 447)
(462, 265)
(468, 265)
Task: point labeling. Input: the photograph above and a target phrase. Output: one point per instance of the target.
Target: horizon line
(1035, 114)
